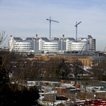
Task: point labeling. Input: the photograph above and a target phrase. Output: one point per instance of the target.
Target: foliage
(10, 94)
(55, 68)
(26, 69)
(18, 97)
(99, 70)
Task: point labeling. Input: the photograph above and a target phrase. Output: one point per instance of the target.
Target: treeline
(23, 69)
(55, 68)
(99, 71)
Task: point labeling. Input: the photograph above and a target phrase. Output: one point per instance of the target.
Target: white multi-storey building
(80, 45)
(43, 44)
(19, 45)
(65, 44)
(69, 43)
(50, 46)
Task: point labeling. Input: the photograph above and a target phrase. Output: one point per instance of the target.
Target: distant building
(80, 45)
(92, 43)
(19, 45)
(86, 60)
(62, 44)
(44, 45)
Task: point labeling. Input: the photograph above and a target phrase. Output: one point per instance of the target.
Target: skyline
(26, 18)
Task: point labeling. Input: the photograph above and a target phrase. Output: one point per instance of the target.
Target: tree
(64, 69)
(99, 70)
(56, 68)
(77, 68)
(51, 68)
(10, 94)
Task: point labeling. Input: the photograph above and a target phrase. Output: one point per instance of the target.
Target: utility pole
(76, 28)
(50, 20)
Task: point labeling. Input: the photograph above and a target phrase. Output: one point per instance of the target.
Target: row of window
(22, 46)
(50, 44)
(50, 48)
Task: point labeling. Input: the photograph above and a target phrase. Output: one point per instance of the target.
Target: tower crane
(104, 51)
(50, 20)
(76, 28)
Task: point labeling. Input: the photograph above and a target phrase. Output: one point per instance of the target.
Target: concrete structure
(19, 45)
(55, 45)
(92, 43)
(80, 45)
(65, 44)
(69, 43)
(45, 45)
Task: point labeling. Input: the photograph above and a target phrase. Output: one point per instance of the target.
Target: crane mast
(76, 28)
(50, 20)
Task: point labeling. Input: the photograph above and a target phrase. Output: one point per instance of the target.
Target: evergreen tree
(11, 95)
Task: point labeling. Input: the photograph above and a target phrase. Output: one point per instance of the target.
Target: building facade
(92, 43)
(43, 44)
(87, 61)
(17, 44)
(80, 45)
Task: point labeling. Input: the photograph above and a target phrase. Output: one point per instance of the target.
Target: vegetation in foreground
(11, 94)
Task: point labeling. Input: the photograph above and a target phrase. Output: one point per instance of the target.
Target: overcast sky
(26, 18)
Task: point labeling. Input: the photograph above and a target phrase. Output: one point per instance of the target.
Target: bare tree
(77, 69)
(99, 70)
